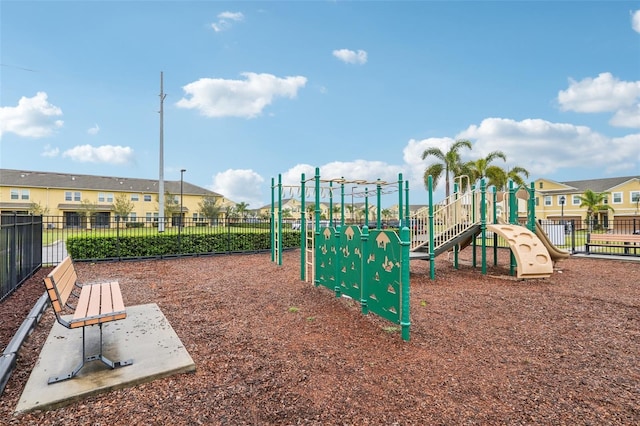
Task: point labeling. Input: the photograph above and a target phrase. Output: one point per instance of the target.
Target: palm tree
(482, 168)
(595, 203)
(499, 178)
(449, 164)
(241, 208)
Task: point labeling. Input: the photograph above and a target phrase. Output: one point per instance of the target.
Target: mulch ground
(273, 350)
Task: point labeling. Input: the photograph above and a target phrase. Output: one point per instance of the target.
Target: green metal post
(405, 222)
(342, 204)
(474, 256)
(378, 209)
(512, 220)
(432, 257)
(405, 291)
(273, 222)
(364, 272)
(316, 231)
(401, 213)
(495, 220)
(331, 203)
(531, 211)
(366, 207)
(483, 224)
(303, 230)
(279, 219)
(456, 248)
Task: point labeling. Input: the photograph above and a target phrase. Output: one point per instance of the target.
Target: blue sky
(359, 89)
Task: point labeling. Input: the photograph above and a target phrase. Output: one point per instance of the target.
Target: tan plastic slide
(555, 253)
(532, 256)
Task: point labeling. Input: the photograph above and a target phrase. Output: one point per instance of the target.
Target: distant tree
(209, 207)
(171, 205)
(482, 168)
(386, 213)
(88, 211)
(499, 178)
(241, 208)
(450, 165)
(594, 202)
(37, 209)
(122, 206)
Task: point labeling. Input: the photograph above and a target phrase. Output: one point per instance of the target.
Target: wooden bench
(96, 304)
(624, 241)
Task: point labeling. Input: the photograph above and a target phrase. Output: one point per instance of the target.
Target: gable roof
(599, 185)
(71, 181)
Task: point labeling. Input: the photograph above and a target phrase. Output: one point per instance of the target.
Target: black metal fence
(575, 236)
(20, 250)
(180, 236)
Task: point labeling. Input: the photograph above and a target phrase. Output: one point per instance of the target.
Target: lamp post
(180, 216)
(562, 201)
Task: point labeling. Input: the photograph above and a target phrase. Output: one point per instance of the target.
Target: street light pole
(180, 216)
(562, 200)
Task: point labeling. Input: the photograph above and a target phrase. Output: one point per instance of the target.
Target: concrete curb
(8, 359)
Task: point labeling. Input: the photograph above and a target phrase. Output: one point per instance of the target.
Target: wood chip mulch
(273, 350)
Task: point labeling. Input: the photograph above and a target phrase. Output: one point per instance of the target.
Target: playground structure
(457, 221)
(372, 266)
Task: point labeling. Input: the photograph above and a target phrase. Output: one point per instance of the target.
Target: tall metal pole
(161, 173)
(180, 216)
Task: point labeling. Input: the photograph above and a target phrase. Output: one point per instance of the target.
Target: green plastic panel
(350, 262)
(326, 258)
(383, 272)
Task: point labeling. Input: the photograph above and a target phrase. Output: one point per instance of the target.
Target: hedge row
(170, 244)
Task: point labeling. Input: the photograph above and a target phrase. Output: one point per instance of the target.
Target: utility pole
(161, 217)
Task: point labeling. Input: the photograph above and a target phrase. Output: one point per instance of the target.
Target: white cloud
(240, 185)
(49, 151)
(604, 93)
(216, 97)
(543, 147)
(33, 117)
(351, 56)
(635, 21)
(100, 154)
(225, 20)
(94, 130)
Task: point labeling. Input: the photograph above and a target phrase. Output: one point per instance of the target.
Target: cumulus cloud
(544, 147)
(351, 56)
(635, 21)
(216, 97)
(50, 151)
(226, 20)
(604, 93)
(34, 117)
(109, 154)
(240, 185)
(94, 130)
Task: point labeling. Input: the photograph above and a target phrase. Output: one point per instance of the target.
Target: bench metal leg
(85, 359)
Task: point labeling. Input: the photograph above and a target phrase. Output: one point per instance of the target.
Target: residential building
(561, 200)
(75, 197)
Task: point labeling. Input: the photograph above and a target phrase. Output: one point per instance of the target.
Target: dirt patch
(270, 349)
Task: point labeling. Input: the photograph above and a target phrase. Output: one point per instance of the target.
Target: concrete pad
(144, 336)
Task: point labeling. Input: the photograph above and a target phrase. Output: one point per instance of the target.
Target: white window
(147, 197)
(547, 200)
(133, 216)
(575, 200)
(562, 200)
(15, 194)
(634, 196)
(616, 197)
(149, 217)
(135, 197)
(72, 196)
(104, 197)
